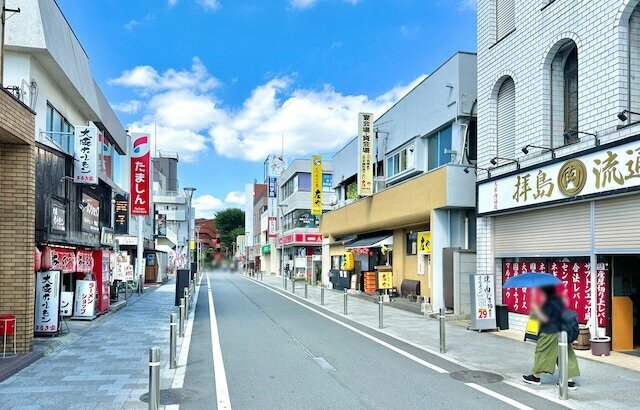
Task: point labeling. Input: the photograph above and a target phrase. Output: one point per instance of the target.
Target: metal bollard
(305, 290)
(154, 378)
(261, 276)
(285, 282)
(563, 366)
(322, 296)
(293, 286)
(173, 342)
(182, 317)
(345, 301)
(380, 313)
(442, 336)
(186, 304)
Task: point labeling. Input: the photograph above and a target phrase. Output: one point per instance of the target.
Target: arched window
(571, 96)
(564, 94)
(505, 18)
(634, 64)
(506, 119)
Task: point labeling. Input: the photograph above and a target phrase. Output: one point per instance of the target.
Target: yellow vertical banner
(424, 243)
(365, 153)
(316, 185)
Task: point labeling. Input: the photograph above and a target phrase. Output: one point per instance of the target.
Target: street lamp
(282, 207)
(188, 191)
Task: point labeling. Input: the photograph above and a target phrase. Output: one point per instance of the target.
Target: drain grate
(471, 376)
(174, 396)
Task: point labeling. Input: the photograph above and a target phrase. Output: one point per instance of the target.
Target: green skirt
(546, 356)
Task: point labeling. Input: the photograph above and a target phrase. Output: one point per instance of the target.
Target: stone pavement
(106, 367)
(601, 386)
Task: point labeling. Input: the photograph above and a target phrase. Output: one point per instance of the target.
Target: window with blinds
(505, 18)
(506, 121)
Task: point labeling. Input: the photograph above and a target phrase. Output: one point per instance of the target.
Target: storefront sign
(121, 215)
(61, 259)
(126, 240)
(299, 238)
(161, 225)
(58, 218)
(276, 164)
(273, 187)
(90, 214)
(66, 304)
(485, 297)
(47, 302)
(385, 280)
(576, 289)
(603, 171)
(316, 185)
(106, 236)
(266, 249)
(140, 181)
(86, 155)
(272, 227)
(84, 261)
(424, 243)
(85, 298)
(365, 154)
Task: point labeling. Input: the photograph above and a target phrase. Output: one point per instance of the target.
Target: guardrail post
(181, 317)
(345, 301)
(563, 366)
(380, 313)
(154, 378)
(442, 335)
(173, 339)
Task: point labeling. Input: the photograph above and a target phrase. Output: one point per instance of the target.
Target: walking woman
(546, 356)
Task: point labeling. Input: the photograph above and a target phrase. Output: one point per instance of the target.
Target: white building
(552, 78)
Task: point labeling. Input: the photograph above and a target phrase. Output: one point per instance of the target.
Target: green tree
(230, 224)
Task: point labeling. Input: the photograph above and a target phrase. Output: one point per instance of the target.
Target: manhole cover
(174, 396)
(470, 376)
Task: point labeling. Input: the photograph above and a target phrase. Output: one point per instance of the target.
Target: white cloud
(128, 107)
(206, 206)
(172, 3)
(307, 4)
(131, 24)
(235, 197)
(209, 4)
(190, 119)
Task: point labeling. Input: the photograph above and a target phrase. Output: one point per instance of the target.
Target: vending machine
(101, 271)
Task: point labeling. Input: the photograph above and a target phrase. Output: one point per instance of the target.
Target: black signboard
(162, 225)
(90, 214)
(58, 218)
(122, 215)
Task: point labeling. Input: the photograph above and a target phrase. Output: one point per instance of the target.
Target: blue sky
(224, 81)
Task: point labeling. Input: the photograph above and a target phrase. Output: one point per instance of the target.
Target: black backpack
(569, 324)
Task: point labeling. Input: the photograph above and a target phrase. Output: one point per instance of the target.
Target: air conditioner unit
(379, 184)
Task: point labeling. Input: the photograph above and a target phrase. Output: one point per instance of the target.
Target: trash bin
(601, 346)
(502, 317)
(182, 281)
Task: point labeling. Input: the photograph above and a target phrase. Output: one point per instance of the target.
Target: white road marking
(222, 389)
(422, 362)
(499, 396)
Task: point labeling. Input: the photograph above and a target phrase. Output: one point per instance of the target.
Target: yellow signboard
(316, 185)
(192, 245)
(385, 280)
(349, 262)
(424, 243)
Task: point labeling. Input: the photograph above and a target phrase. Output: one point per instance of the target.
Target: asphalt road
(279, 354)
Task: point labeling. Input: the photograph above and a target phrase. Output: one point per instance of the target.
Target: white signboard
(485, 297)
(365, 154)
(85, 169)
(606, 170)
(66, 304)
(85, 298)
(47, 317)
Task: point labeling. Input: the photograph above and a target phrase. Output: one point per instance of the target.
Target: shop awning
(377, 241)
(346, 240)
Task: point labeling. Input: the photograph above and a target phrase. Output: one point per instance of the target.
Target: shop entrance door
(626, 303)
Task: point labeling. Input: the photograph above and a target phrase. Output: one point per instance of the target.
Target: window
(571, 96)
(59, 130)
(412, 243)
(563, 95)
(437, 144)
(304, 182)
(505, 18)
(506, 121)
(401, 161)
(633, 65)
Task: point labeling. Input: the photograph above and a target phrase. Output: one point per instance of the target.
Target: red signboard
(303, 238)
(61, 259)
(84, 261)
(140, 180)
(575, 288)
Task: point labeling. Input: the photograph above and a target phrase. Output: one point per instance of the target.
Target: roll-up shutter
(507, 119)
(617, 224)
(562, 229)
(506, 17)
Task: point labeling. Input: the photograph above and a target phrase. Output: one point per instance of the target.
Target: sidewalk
(602, 385)
(104, 367)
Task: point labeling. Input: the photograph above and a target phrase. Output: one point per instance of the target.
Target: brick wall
(17, 216)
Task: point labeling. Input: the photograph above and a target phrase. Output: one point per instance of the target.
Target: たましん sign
(140, 162)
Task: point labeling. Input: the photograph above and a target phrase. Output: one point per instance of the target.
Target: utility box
(182, 282)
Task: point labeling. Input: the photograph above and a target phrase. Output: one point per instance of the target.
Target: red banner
(140, 175)
(61, 259)
(84, 261)
(575, 288)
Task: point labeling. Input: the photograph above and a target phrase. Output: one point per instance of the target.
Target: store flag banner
(273, 187)
(47, 318)
(61, 259)
(90, 215)
(316, 185)
(272, 227)
(121, 226)
(85, 169)
(424, 243)
(85, 298)
(140, 174)
(66, 304)
(365, 154)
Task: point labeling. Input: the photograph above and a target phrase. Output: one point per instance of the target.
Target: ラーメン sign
(608, 169)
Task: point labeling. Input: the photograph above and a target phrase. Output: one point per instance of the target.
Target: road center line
(222, 389)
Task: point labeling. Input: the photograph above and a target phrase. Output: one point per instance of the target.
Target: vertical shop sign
(161, 226)
(272, 227)
(85, 169)
(424, 243)
(85, 298)
(90, 215)
(47, 302)
(365, 153)
(58, 218)
(121, 215)
(316, 185)
(385, 280)
(273, 187)
(140, 163)
(485, 297)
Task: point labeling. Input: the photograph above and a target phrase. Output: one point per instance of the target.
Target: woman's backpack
(569, 324)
